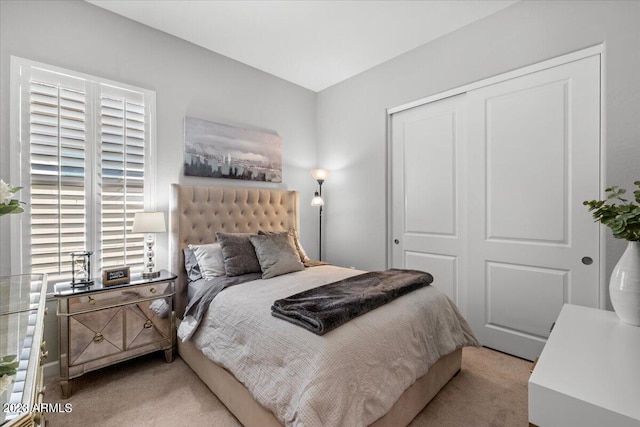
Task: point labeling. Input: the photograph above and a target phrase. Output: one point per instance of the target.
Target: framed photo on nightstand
(116, 275)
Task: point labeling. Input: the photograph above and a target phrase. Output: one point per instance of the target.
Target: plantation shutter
(122, 129)
(58, 138)
(85, 146)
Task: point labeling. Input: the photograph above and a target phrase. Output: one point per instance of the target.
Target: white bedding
(349, 377)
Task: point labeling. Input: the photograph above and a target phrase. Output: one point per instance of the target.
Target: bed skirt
(251, 414)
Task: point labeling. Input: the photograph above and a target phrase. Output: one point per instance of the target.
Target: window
(85, 148)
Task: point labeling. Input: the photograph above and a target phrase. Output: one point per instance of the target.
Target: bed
(197, 213)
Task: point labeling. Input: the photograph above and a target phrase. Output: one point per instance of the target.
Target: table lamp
(149, 222)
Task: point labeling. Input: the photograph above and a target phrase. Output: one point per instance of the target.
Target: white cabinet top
(594, 357)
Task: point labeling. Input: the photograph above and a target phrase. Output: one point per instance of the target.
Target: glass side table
(22, 350)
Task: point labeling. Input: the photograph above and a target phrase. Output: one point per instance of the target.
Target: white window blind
(85, 149)
(57, 121)
(122, 176)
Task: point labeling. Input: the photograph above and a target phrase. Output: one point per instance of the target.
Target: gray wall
(351, 114)
(187, 79)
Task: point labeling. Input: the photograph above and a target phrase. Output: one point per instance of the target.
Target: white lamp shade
(317, 201)
(148, 222)
(320, 174)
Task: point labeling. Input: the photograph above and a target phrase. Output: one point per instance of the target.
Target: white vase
(624, 286)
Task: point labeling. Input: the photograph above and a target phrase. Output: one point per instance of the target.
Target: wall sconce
(149, 222)
(319, 175)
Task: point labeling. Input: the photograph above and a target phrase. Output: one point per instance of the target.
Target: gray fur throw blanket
(326, 307)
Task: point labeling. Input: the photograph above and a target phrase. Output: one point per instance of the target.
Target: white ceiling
(314, 44)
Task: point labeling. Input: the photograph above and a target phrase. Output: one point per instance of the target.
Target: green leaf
(623, 219)
(10, 208)
(9, 358)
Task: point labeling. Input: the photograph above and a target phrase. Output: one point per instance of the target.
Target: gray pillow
(238, 253)
(191, 265)
(276, 253)
(293, 233)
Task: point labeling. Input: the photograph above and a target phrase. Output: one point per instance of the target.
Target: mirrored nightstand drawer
(119, 296)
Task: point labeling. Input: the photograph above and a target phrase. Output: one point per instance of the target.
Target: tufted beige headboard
(197, 213)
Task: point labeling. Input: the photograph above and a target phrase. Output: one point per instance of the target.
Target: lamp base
(150, 274)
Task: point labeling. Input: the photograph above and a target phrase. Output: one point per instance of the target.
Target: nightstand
(587, 374)
(102, 325)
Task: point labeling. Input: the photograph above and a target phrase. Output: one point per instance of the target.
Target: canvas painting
(216, 150)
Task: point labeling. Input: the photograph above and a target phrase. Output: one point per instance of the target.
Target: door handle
(587, 260)
(397, 242)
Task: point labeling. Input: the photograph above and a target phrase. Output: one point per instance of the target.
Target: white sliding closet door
(487, 190)
(428, 189)
(535, 145)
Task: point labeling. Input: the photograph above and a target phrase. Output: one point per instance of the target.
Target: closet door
(428, 187)
(534, 150)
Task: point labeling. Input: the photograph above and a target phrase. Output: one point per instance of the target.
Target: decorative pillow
(238, 254)
(276, 253)
(191, 265)
(210, 260)
(298, 246)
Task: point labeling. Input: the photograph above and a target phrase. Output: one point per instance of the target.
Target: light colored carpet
(491, 390)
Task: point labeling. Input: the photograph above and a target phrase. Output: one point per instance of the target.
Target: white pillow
(209, 259)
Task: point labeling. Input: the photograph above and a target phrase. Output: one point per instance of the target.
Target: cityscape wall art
(217, 150)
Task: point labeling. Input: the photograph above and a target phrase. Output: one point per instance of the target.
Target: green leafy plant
(623, 219)
(8, 365)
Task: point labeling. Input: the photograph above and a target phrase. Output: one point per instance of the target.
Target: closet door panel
(534, 142)
(430, 169)
(527, 165)
(427, 185)
(444, 267)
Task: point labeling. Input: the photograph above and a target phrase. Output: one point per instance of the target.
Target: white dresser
(588, 373)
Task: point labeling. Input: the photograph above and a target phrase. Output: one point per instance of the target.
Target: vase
(624, 286)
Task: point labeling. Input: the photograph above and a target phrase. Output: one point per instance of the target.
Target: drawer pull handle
(44, 354)
(148, 324)
(98, 338)
(92, 300)
(152, 290)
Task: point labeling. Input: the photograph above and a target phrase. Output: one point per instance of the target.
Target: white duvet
(349, 377)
